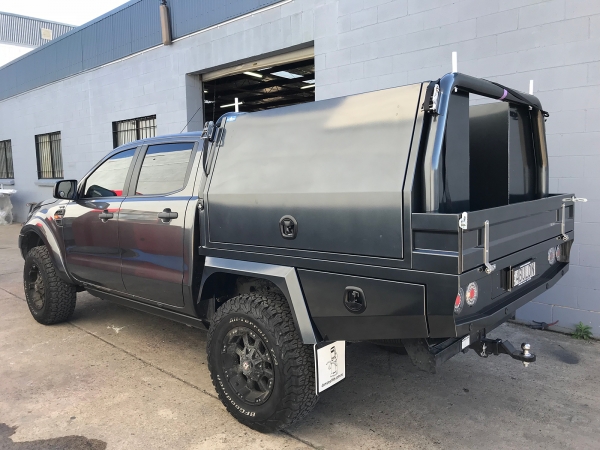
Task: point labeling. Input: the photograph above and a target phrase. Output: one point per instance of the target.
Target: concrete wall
(361, 45)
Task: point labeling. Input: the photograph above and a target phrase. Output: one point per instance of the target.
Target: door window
(108, 180)
(164, 168)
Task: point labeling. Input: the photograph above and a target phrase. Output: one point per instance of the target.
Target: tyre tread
(61, 297)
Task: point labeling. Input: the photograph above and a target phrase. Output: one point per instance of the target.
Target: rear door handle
(104, 216)
(167, 215)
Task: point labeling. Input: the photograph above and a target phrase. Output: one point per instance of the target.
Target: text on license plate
(523, 274)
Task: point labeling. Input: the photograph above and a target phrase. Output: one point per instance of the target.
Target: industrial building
(127, 75)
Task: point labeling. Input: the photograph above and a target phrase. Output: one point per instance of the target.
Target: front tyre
(49, 298)
(263, 373)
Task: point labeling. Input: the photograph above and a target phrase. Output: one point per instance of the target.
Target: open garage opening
(257, 89)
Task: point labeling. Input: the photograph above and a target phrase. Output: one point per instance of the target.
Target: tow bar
(486, 347)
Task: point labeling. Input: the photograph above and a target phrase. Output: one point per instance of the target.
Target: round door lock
(354, 300)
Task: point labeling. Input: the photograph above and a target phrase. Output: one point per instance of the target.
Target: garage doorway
(253, 89)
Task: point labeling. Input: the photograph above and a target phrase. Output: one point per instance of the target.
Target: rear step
(429, 357)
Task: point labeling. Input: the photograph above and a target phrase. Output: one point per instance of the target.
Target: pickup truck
(408, 216)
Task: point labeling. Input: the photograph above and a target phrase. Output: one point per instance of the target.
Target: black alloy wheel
(248, 366)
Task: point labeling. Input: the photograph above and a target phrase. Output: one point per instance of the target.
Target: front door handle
(167, 215)
(104, 216)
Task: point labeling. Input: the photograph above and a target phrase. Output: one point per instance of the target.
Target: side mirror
(65, 189)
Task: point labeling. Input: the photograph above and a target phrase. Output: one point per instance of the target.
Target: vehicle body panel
(93, 253)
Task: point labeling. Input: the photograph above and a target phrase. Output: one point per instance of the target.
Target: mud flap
(330, 364)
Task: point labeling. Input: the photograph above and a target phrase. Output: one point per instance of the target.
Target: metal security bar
(126, 131)
(6, 160)
(49, 156)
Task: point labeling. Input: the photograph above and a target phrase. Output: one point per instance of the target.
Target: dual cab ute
(406, 216)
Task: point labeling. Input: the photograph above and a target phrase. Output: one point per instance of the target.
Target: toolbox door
(321, 177)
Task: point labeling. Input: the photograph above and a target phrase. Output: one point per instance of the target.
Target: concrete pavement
(116, 378)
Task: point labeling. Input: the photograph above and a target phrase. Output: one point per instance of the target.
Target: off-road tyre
(50, 299)
(268, 317)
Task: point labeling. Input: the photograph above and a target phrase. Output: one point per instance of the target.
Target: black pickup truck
(406, 216)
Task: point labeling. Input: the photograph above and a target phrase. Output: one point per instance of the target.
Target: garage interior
(259, 88)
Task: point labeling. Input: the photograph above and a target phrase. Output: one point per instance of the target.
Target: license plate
(523, 273)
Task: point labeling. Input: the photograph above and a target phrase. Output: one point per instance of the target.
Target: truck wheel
(49, 298)
(263, 373)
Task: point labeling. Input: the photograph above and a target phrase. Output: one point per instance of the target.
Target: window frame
(138, 137)
(9, 164)
(140, 160)
(83, 181)
(55, 172)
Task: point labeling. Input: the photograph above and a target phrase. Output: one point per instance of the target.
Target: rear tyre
(49, 298)
(261, 370)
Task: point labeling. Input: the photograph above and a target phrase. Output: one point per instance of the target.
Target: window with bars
(6, 160)
(125, 131)
(49, 156)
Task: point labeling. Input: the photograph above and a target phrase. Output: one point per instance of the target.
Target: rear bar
(505, 310)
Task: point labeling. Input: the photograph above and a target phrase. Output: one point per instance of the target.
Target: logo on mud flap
(332, 364)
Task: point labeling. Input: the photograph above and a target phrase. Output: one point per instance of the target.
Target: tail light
(459, 302)
(472, 293)
(558, 252)
(552, 255)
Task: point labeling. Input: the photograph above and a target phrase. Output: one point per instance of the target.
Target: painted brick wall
(362, 45)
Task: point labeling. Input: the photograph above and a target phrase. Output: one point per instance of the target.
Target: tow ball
(486, 347)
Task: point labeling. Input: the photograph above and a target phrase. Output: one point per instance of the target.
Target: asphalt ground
(115, 378)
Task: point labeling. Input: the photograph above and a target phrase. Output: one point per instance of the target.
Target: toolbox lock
(354, 300)
(288, 226)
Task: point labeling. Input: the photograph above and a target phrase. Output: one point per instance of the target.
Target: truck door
(151, 229)
(90, 224)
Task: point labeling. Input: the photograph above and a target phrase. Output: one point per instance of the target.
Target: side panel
(393, 310)
(337, 166)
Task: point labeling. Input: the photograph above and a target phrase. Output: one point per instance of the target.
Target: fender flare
(37, 226)
(284, 277)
